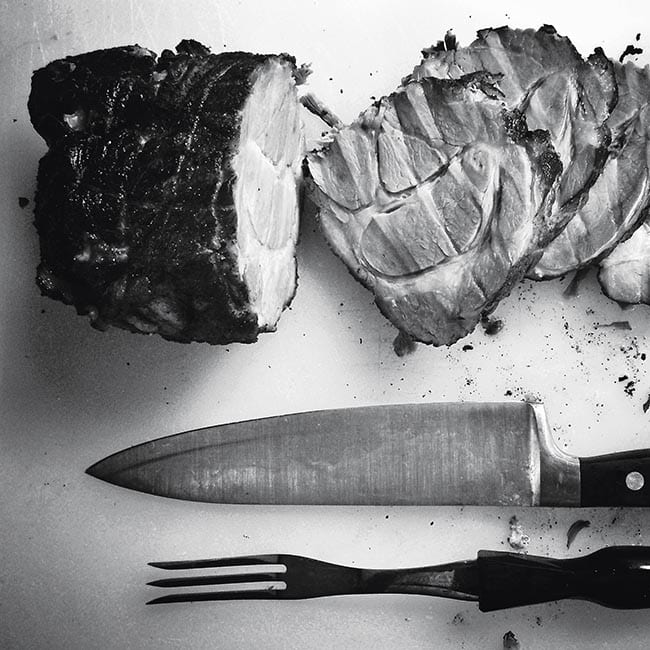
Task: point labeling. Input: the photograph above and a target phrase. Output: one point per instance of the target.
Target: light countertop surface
(74, 550)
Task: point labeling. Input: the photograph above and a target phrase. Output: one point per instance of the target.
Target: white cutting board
(74, 550)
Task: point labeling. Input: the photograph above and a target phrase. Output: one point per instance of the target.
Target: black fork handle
(616, 577)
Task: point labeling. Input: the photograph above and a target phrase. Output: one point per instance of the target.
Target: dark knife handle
(621, 479)
(616, 577)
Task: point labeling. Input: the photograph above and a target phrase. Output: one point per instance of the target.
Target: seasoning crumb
(510, 641)
(467, 347)
(646, 405)
(404, 344)
(491, 326)
(574, 529)
(458, 619)
(630, 50)
(517, 538)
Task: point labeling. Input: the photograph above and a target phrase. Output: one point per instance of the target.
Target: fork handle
(616, 577)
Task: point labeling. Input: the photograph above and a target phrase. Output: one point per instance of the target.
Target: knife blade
(470, 453)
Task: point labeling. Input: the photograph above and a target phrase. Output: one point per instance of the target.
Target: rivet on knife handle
(621, 479)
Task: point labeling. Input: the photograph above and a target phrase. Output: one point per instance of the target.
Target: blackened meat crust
(134, 205)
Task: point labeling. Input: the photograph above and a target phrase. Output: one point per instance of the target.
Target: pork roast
(624, 275)
(168, 199)
(437, 199)
(619, 198)
(545, 77)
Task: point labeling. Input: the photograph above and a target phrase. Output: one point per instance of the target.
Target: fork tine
(249, 594)
(218, 562)
(281, 576)
(196, 581)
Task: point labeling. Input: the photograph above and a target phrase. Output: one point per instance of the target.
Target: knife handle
(616, 577)
(621, 479)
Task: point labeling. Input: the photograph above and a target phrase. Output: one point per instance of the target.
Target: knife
(469, 453)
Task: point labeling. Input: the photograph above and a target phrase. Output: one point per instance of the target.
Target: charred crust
(137, 229)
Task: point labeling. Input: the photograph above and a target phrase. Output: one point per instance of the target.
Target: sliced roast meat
(543, 75)
(168, 199)
(437, 199)
(618, 199)
(624, 274)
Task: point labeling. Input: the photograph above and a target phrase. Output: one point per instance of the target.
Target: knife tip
(93, 470)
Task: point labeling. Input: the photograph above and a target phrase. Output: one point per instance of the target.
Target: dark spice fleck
(623, 378)
(23, 201)
(467, 347)
(630, 388)
(630, 49)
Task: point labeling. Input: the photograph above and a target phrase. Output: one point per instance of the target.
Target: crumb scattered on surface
(574, 529)
(630, 50)
(491, 326)
(458, 619)
(517, 538)
(629, 388)
(510, 641)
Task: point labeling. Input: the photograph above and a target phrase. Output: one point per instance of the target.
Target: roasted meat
(543, 75)
(168, 199)
(437, 199)
(624, 274)
(619, 198)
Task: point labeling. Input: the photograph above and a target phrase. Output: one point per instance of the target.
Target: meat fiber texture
(438, 199)
(618, 200)
(543, 75)
(167, 202)
(624, 274)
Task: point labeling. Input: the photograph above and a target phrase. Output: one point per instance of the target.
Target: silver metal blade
(413, 454)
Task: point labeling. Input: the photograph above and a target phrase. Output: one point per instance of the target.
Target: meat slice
(624, 274)
(544, 76)
(618, 199)
(437, 199)
(168, 199)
